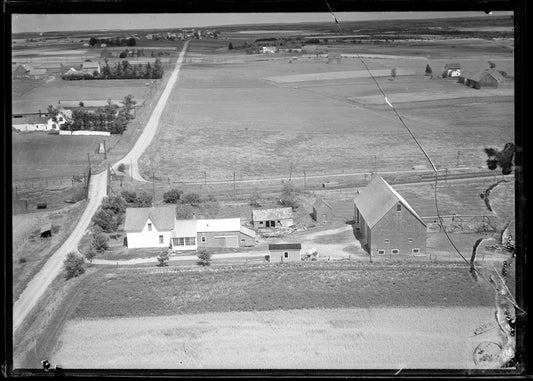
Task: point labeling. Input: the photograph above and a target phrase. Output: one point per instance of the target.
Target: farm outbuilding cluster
(158, 227)
(489, 78)
(386, 223)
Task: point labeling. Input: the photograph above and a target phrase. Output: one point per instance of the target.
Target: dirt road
(151, 127)
(38, 285)
(97, 191)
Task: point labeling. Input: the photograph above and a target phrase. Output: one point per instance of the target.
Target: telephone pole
(234, 188)
(305, 180)
(153, 187)
(458, 154)
(89, 159)
(290, 173)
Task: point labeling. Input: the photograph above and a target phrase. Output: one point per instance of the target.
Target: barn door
(324, 218)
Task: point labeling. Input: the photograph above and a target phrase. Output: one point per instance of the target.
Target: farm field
(192, 310)
(260, 129)
(344, 338)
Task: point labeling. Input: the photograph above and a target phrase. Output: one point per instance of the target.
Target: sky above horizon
(71, 22)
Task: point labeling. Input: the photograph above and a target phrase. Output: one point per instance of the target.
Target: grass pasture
(343, 338)
(260, 129)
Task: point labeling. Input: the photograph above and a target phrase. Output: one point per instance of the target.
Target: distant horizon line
(253, 24)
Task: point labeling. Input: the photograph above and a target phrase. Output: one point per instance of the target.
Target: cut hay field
(340, 338)
(226, 117)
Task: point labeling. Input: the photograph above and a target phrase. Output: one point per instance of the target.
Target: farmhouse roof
(163, 218)
(219, 225)
(284, 246)
(452, 66)
(27, 67)
(184, 228)
(377, 198)
(30, 119)
(90, 65)
(271, 214)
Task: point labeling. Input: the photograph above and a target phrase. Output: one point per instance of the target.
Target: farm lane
(151, 126)
(40, 282)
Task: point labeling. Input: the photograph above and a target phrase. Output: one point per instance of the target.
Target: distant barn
(489, 78)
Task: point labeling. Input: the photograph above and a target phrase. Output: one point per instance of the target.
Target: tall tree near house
(393, 73)
(93, 41)
(428, 70)
(132, 41)
(148, 71)
(158, 69)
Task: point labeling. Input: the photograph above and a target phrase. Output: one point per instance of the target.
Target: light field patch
(351, 338)
(332, 75)
(432, 96)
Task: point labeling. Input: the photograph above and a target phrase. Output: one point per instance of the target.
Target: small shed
(46, 231)
(284, 252)
(325, 211)
(272, 218)
(322, 211)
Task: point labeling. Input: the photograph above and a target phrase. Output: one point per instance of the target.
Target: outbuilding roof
(219, 225)
(478, 76)
(452, 66)
(184, 228)
(29, 119)
(45, 228)
(319, 202)
(271, 214)
(377, 198)
(162, 217)
(285, 246)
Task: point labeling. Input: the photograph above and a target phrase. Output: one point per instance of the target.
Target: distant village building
(46, 231)
(38, 122)
(272, 218)
(452, 70)
(284, 252)
(22, 71)
(90, 67)
(386, 223)
(488, 78)
(224, 233)
(37, 74)
(269, 49)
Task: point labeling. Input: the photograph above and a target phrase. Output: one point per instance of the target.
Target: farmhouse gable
(161, 218)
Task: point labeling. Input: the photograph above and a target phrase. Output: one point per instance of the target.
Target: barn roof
(271, 214)
(219, 225)
(478, 76)
(163, 218)
(285, 246)
(29, 119)
(377, 198)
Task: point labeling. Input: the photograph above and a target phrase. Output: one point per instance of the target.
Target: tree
(192, 199)
(93, 41)
(144, 200)
(90, 254)
(158, 69)
(492, 64)
(106, 220)
(393, 73)
(73, 265)
(122, 167)
(172, 196)
(184, 212)
(289, 195)
(428, 70)
(163, 257)
(116, 204)
(82, 104)
(230, 46)
(132, 41)
(129, 196)
(99, 242)
(204, 258)
(123, 55)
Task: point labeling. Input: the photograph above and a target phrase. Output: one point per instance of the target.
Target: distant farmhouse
(284, 252)
(452, 70)
(158, 227)
(488, 78)
(39, 121)
(28, 71)
(272, 218)
(386, 223)
(90, 67)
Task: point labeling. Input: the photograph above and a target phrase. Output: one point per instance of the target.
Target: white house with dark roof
(272, 218)
(386, 223)
(150, 227)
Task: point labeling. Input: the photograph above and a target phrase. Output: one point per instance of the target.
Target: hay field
(226, 117)
(342, 338)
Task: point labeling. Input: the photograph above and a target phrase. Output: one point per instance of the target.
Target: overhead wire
(471, 265)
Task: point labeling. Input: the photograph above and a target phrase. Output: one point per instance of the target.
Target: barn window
(260, 222)
(161, 239)
(395, 251)
(399, 207)
(381, 252)
(286, 254)
(149, 227)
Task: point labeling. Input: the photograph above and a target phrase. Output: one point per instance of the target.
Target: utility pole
(234, 188)
(105, 151)
(205, 177)
(375, 164)
(305, 180)
(446, 175)
(89, 159)
(153, 187)
(458, 154)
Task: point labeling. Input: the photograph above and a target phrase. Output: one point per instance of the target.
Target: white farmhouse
(149, 227)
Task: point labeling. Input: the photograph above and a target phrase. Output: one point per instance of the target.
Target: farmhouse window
(381, 252)
(149, 227)
(395, 251)
(160, 239)
(184, 241)
(286, 254)
(203, 239)
(357, 216)
(260, 222)
(399, 207)
(190, 241)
